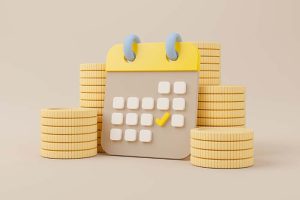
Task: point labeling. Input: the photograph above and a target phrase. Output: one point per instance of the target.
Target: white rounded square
(179, 87)
(130, 135)
(147, 103)
(131, 119)
(162, 104)
(115, 134)
(178, 104)
(132, 103)
(164, 87)
(117, 118)
(118, 102)
(145, 135)
(177, 120)
(146, 119)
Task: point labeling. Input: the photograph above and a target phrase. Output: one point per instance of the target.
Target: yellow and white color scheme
(151, 103)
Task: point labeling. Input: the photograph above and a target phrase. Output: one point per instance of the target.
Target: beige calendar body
(150, 113)
(166, 141)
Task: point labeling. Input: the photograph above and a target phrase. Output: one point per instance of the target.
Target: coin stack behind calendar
(221, 106)
(210, 63)
(92, 90)
(68, 133)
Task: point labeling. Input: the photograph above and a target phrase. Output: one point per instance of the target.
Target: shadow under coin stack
(92, 89)
(222, 147)
(221, 106)
(210, 63)
(68, 133)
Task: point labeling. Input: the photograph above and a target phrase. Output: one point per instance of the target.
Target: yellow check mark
(161, 121)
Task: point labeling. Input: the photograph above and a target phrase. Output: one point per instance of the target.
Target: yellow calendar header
(152, 57)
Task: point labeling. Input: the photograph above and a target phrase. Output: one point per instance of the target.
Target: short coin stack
(221, 106)
(68, 133)
(92, 90)
(210, 63)
(227, 147)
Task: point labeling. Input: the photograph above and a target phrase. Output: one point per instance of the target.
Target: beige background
(42, 44)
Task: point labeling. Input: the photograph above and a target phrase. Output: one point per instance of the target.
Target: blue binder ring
(170, 46)
(127, 48)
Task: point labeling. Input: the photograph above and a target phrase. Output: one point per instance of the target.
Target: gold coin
(69, 130)
(210, 52)
(209, 74)
(223, 134)
(92, 104)
(221, 113)
(222, 164)
(68, 146)
(209, 81)
(221, 105)
(210, 60)
(99, 110)
(240, 126)
(210, 67)
(93, 81)
(92, 74)
(69, 138)
(92, 67)
(92, 96)
(92, 89)
(222, 155)
(221, 121)
(222, 89)
(68, 122)
(208, 45)
(215, 145)
(221, 97)
(68, 112)
(69, 154)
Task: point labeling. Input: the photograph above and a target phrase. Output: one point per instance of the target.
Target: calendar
(150, 102)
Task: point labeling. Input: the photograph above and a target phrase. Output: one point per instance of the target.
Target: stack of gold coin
(92, 90)
(68, 133)
(210, 63)
(221, 106)
(226, 147)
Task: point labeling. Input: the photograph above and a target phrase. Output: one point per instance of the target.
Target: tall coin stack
(221, 106)
(68, 133)
(227, 147)
(210, 63)
(92, 90)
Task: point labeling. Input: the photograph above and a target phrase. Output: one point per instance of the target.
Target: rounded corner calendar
(150, 103)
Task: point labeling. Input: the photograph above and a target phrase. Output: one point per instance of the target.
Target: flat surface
(275, 174)
(43, 44)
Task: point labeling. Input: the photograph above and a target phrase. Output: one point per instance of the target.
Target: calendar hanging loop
(127, 48)
(170, 46)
